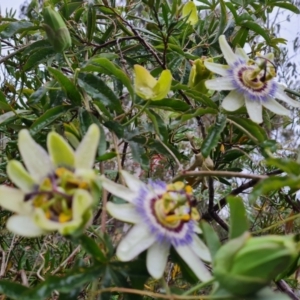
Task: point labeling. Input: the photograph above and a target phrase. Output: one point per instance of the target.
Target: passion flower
(251, 82)
(57, 191)
(163, 216)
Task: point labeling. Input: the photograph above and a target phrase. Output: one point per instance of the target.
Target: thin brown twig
(157, 295)
(213, 214)
(218, 174)
(222, 202)
(284, 287)
(98, 47)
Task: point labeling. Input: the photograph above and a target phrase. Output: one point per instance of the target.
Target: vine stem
(159, 296)
(218, 174)
(138, 114)
(199, 286)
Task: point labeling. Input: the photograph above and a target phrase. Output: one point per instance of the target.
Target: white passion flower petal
(19, 176)
(220, 84)
(132, 182)
(217, 68)
(254, 110)
(86, 151)
(230, 57)
(36, 159)
(157, 257)
(281, 95)
(13, 200)
(118, 190)
(60, 151)
(24, 225)
(138, 239)
(200, 249)
(123, 212)
(275, 107)
(242, 54)
(233, 101)
(192, 260)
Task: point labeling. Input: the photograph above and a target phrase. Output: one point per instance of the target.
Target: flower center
(255, 74)
(55, 194)
(175, 206)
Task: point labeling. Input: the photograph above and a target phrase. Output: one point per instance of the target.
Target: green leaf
(238, 218)
(211, 238)
(170, 104)
(36, 96)
(139, 154)
(48, 118)
(86, 119)
(197, 112)
(233, 10)
(286, 5)
(98, 90)
(240, 37)
(106, 156)
(104, 111)
(12, 115)
(11, 289)
(116, 128)
(65, 284)
(257, 28)
(92, 248)
(3, 102)
(201, 98)
(8, 30)
(67, 85)
(213, 136)
(91, 22)
(38, 57)
(287, 165)
(107, 67)
(158, 123)
(68, 8)
(253, 130)
(222, 21)
(273, 184)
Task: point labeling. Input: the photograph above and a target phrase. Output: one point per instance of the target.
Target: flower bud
(56, 30)
(199, 74)
(246, 264)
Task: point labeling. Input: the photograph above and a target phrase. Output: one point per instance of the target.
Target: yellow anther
(176, 186)
(64, 217)
(188, 189)
(174, 218)
(83, 185)
(195, 214)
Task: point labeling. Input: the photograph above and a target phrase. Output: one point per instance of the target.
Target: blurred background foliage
(92, 82)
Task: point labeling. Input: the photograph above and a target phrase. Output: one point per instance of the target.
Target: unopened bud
(56, 30)
(199, 74)
(247, 264)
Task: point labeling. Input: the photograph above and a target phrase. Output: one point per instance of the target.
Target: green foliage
(68, 64)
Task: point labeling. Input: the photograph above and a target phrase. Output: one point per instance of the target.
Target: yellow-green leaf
(189, 9)
(147, 87)
(163, 85)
